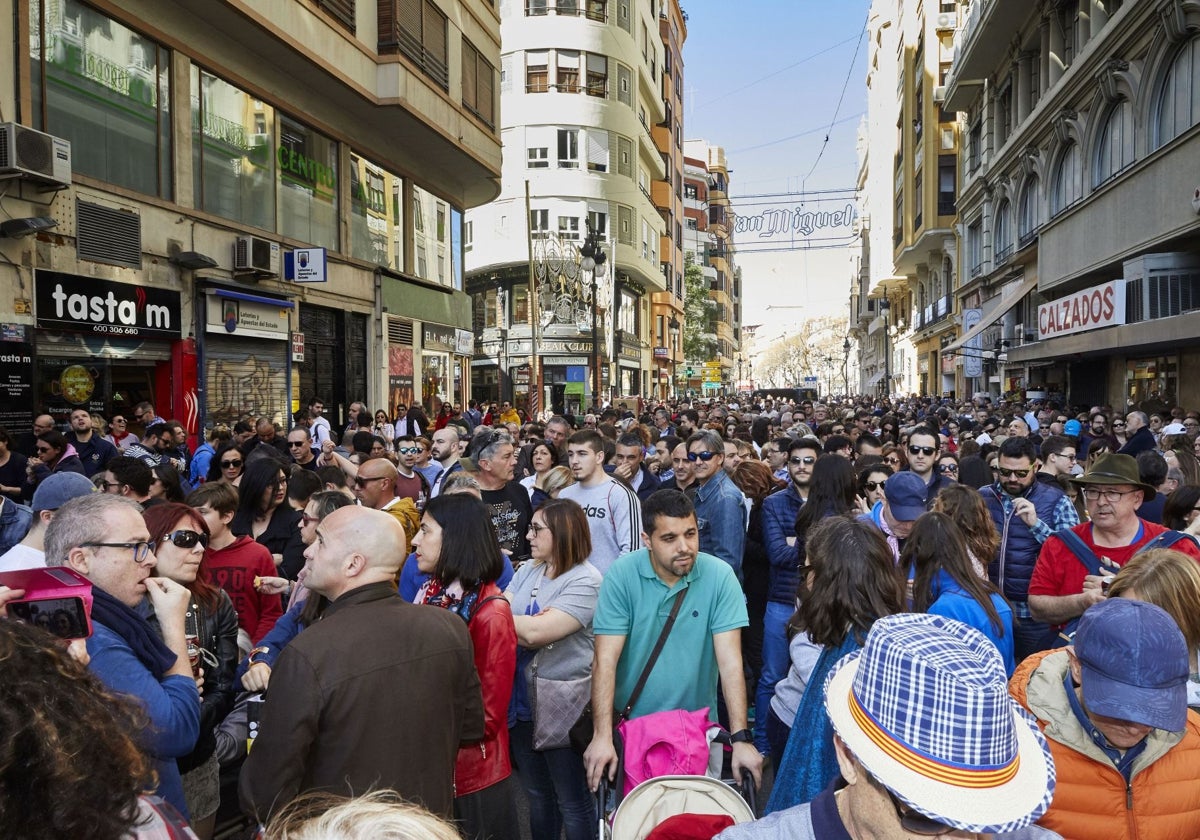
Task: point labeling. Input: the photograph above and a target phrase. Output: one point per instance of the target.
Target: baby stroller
(656, 800)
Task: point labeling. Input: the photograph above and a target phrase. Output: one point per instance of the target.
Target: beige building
(1079, 202)
(259, 203)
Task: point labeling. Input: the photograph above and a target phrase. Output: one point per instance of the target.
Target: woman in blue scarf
(848, 581)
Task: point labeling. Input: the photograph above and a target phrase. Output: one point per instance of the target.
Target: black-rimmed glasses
(1007, 473)
(1110, 496)
(922, 450)
(141, 550)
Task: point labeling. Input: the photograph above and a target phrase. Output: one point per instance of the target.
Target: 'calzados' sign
(102, 307)
(1087, 309)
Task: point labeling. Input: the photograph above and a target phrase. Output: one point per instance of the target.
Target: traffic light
(689, 371)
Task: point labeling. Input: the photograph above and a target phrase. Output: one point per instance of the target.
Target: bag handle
(658, 646)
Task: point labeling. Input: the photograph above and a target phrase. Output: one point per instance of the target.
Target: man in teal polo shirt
(635, 600)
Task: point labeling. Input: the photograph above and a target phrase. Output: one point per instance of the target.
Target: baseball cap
(1174, 429)
(1135, 663)
(1072, 428)
(906, 493)
(59, 488)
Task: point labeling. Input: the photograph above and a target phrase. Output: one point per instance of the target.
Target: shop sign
(521, 375)
(89, 304)
(305, 265)
(464, 342)
(1088, 309)
(973, 357)
(16, 377)
(247, 318)
(297, 347)
(437, 337)
(661, 353)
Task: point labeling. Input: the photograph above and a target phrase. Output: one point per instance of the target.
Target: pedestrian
(263, 515)
(613, 509)
(720, 505)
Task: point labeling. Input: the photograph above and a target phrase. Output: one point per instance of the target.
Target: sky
(763, 78)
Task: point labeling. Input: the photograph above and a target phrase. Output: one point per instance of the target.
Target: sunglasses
(294, 443)
(704, 456)
(948, 468)
(184, 538)
(922, 450)
(807, 460)
(409, 450)
(227, 465)
(1007, 473)
(892, 459)
(1118, 425)
(359, 481)
(917, 823)
(872, 486)
(305, 519)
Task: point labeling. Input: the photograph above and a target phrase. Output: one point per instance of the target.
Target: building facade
(581, 89)
(258, 205)
(1080, 215)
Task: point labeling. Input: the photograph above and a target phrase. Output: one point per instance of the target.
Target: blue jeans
(775, 664)
(556, 786)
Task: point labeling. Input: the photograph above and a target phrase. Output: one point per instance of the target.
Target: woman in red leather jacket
(457, 545)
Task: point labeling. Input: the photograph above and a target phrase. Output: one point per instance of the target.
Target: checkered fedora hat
(924, 706)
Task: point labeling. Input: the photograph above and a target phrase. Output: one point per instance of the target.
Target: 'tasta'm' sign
(102, 307)
(1087, 309)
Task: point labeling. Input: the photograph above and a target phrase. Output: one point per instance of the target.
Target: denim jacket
(721, 517)
(15, 520)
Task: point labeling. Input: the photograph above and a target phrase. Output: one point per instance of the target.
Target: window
(1004, 111)
(417, 30)
(690, 223)
(597, 75)
(107, 90)
(1064, 190)
(478, 84)
(376, 214)
(625, 157)
(1114, 151)
(947, 184)
(233, 168)
(468, 235)
(624, 85)
(568, 148)
(627, 313)
(975, 247)
(539, 157)
(432, 239)
(568, 227)
(689, 191)
(535, 7)
(340, 10)
(598, 222)
(539, 223)
(307, 164)
(597, 143)
(1028, 212)
(536, 72)
(1002, 241)
(1178, 107)
(624, 225)
(567, 77)
(597, 10)
(975, 145)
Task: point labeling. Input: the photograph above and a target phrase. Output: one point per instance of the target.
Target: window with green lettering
(307, 165)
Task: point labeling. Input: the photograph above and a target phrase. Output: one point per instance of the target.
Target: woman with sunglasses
(893, 455)
(264, 515)
(457, 546)
(166, 484)
(118, 432)
(227, 464)
(871, 480)
(543, 458)
(947, 467)
(553, 599)
(1118, 432)
(180, 536)
(383, 428)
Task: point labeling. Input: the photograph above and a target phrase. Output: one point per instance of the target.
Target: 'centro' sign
(1087, 309)
(102, 307)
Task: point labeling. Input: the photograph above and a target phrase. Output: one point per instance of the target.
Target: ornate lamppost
(593, 264)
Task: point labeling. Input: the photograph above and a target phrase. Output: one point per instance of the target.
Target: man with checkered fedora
(928, 741)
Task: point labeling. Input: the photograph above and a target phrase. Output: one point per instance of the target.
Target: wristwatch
(742, 736)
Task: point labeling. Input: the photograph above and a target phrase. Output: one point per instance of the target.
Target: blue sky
(757, 73)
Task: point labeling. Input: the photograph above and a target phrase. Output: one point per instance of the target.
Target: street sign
(810, 380)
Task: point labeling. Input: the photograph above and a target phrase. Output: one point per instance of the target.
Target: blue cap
(1135, 663)
(1072, 428)
(906, 493)
(57, 489)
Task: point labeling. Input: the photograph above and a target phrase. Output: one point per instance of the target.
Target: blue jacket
(952, 601)
(779, 512)
(198, 471)
(721, 515)
(15, 520)
(650, 482)
(1012, 567)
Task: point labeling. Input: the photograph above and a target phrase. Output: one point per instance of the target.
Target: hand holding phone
(57, 599)
(7, 595)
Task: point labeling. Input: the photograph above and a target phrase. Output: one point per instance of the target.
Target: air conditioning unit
(939, 94)
(26, 153)
(256, 255)
(947, 21)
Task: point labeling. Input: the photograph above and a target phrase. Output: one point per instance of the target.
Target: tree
(816, 350)
(699, 330)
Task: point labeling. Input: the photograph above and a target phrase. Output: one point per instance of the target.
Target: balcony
(947, 206)
(425, 47)
(980, 44)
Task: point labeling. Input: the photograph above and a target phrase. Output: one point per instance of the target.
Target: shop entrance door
(335, 360)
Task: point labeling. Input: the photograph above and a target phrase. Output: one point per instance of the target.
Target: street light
(846, 366)
(592, 263)
(884, 306)
(673, 327)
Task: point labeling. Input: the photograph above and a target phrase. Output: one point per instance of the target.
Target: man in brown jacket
(377, 694)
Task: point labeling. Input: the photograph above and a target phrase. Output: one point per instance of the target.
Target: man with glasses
(407, 424)
(410, 484)
(924, 444)
(1062, 587)
(299, 444)
(1097, 430)
(1058, 458)
(130, 478)
(105, 539)
(614, 512)
(145, 414)
(779, 512)
(27, 445)
(1026, 513)
(156, 440)
(375, 488)
(720, 505)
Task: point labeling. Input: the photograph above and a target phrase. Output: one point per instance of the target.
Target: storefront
(246, 368)
(445, 359)
(104, 346)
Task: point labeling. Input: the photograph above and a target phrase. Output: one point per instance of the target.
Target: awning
(1007, 301)
(874, 380)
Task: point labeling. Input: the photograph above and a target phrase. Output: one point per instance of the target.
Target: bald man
(375, 487)
(353, 709)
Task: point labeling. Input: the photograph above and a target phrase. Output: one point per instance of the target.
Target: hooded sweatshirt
(234, 568)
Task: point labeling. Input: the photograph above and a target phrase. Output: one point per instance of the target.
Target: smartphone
(57, 599)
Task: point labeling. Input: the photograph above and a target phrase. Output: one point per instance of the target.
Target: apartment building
(1079, 207)
(259, 203)
(581, 89)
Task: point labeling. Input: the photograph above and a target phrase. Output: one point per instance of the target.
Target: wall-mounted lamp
(16, 228)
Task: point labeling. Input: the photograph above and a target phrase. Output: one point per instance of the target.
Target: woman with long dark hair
(937, 562)
(263, 513)
(180, 537)
(227, 464)
(848, 580)
(543, 458)
(457, 545)
(832, 492)
(553, 599)
(1180, 512)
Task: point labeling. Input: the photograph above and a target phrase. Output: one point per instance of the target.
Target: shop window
(307, 164)
(1178, 106)
(376, 214)
(106, 88)
(1152, 380)
(431, 238)
(233, 165)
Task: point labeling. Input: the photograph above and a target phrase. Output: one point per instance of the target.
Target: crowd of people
(434, 608)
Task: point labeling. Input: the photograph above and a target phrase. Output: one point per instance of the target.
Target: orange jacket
(1091, 800)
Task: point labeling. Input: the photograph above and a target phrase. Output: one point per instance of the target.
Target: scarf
(449, 597)
(892, 541)
(147, 645)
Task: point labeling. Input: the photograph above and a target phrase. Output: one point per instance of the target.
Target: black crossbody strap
(658, 646)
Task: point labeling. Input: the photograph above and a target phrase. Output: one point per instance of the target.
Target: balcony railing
(946, 206)
(1003, 254)
(428, 50)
